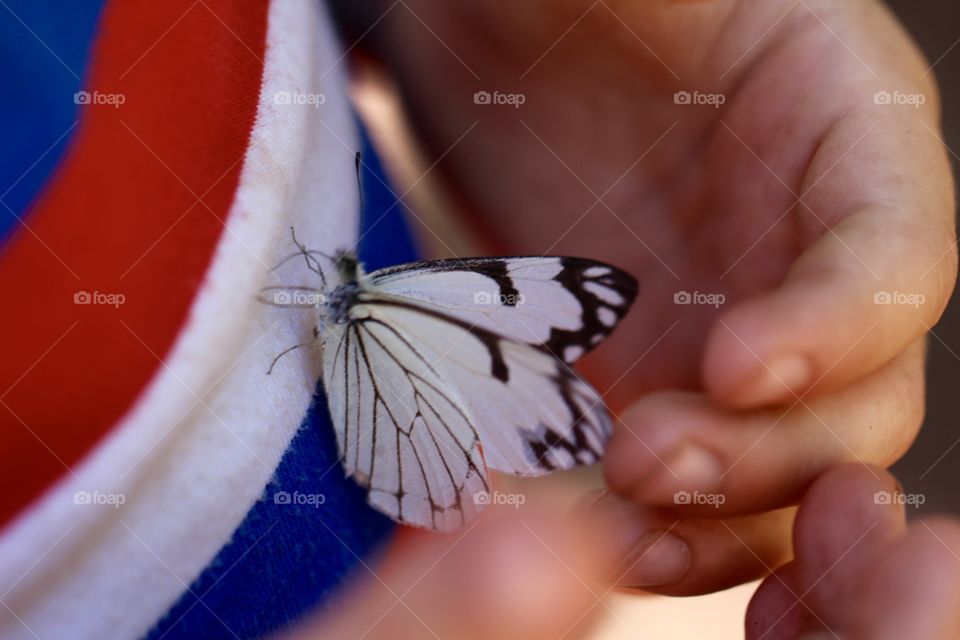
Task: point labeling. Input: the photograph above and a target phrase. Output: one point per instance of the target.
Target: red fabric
(121, 215)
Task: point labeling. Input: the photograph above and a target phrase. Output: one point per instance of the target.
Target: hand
(800, 200)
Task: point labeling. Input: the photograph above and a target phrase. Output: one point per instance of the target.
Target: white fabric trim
(189, 470)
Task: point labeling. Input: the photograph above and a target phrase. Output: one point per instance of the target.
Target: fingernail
(660, 558)
(688, 467)
(781, 379)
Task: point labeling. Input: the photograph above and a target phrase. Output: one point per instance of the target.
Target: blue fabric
(284, 559)
(44, 47)
(385, 238)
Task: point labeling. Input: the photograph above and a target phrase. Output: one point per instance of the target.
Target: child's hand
(817, 200)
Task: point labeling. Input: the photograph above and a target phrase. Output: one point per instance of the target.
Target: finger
(846, 521)
(913, 589)
(838, 530)
(856, 575)
(877, 268)
(775, 612)
(680, 450)
(692, 556)
(529, 576)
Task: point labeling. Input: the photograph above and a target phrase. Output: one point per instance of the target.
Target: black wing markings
(572, 275)
(547, 440)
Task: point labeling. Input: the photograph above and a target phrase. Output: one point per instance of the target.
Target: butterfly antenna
(312, 262)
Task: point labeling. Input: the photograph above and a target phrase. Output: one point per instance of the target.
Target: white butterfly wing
(533, 414)
(402, 431)
(564, 305)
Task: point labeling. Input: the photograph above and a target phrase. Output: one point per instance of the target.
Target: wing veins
(417, 394)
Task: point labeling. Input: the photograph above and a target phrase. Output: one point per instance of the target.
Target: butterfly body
(337, 305)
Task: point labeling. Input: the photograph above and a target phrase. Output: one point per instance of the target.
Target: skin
(857, 568)
(799, 200)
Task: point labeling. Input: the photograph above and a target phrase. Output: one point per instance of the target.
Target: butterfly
(439, 370)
